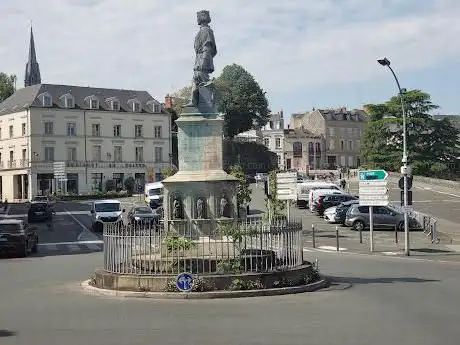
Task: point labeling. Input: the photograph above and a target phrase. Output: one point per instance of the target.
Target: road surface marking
(392, 253)
(85, 231)
(331, 248)
(50, 246)
(23, 215)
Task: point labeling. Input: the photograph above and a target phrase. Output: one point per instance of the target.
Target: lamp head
(384, 62)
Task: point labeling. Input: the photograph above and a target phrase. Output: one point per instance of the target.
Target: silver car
(384, 217)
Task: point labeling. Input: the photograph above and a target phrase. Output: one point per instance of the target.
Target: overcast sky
(304, 53)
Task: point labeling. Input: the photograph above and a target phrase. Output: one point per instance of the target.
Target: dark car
(17, 237)
(341, 210)
(155, 203)
(330, 200)
(142, 215)
(39, 211)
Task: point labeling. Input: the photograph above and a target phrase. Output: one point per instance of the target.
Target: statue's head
(203, 17)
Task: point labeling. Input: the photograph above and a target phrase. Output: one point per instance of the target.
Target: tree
(431, 144)
(243, 195)
(7, 85)
(241, 100)
(180, 98)
(274, 206)
(129, 184)
(166, 172)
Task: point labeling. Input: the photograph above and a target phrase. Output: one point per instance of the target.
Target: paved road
(375, 301)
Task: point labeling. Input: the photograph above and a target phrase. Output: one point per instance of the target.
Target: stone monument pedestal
(201, 195)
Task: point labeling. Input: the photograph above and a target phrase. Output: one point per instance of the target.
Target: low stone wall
(163, 283)
(430, 181)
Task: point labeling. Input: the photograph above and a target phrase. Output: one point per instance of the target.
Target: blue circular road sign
(184, 282)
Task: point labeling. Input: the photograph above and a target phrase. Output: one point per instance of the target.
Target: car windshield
(108, 207)
(10, 228)
(155, 191)
(143, 210)
(38, 206)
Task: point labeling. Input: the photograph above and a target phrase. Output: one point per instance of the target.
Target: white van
(316, 193)
(154, 192)
(105, 211)
(303, 191)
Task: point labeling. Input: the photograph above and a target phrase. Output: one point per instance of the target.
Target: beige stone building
(342, 131)
(303, 150)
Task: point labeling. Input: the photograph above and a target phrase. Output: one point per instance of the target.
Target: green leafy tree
(243, 195)
(241, 99)
(169, 171)
(7, 85)
(180, 98)
(431, 144)
(129, 184)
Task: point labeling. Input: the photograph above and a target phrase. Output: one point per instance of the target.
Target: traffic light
(409, 197)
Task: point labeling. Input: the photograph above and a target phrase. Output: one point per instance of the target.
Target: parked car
(105, 211)
(304, 188)
(261, 177)
(329, 214)
(316, 193)
(142, 215)
(39, 211)
(341, 211)
(17, 237)
(384, 217)
(325, 201)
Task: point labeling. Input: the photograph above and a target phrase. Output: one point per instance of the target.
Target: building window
(297, 149)
(331, 144)
(278, 143)
(11, 131)
(24, 157)
(115, 105)
(279, 160)
(48, 128)
(318, 148)
(157, 131)
(358, 144)
(266, 142)
(97, 153)
(117, 130)
(49, 154)
(138, 131)
(158, 154)
(139, 154)
(136, 107)
(23, 129)
(69, 103)
(350, 145)
(47, 101)
(71, 129)
(96, 130)
(72, 154)
(156, 108)
(94, 104)
(117, 154)
(342, 145)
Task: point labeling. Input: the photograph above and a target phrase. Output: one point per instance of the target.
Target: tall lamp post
(405, 168)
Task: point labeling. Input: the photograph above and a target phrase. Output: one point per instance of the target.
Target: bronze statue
(223, 206)
(200, 208)
(177, 209)
(205, 50)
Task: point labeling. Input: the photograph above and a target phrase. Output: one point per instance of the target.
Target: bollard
(360, 236)
(313, 239)
(337, 237)
(396, 233)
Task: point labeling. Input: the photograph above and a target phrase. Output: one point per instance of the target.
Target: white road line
(85, 231)
(23, 215)
(49, 246)
(332, 248)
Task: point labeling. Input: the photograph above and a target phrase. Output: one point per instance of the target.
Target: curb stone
(205, 295)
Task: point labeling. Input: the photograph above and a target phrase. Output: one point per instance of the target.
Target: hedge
(94, 196)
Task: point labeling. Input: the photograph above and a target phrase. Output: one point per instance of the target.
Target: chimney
(168, 101)
(281, 113)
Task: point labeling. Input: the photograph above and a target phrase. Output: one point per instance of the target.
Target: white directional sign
(286, 186)
(59, 171)
(373, 188)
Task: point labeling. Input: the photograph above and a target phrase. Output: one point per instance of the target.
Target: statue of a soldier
(205, 50)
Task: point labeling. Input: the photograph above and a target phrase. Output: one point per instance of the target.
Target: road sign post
(286, 189)
(184, 282)
(373, 191)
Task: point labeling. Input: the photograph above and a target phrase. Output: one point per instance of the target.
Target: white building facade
(71, 139)
(273, 137)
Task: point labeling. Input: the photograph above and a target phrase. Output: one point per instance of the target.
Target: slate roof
(300, 133)
(30, 96)
(342, 114)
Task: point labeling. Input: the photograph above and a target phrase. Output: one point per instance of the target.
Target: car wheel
(358, 225)
(400, 226)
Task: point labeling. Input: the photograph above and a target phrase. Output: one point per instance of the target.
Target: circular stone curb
(205, 295)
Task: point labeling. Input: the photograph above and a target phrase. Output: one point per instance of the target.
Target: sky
(303, 53)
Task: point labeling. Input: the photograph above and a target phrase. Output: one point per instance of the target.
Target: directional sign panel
(373, 202)
(372, 190)
(373, 175)
(286, 186)
(373, 197)
(374, 183)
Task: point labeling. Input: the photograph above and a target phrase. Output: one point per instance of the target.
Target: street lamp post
(404, 169)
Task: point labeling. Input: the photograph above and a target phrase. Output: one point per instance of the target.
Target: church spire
(32, 76)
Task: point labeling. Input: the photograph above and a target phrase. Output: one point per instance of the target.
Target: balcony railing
(99, 164)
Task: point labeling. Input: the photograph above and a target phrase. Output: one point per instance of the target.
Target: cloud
(288, 45)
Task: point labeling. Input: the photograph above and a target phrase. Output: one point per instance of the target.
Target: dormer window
(93, 102)
(115, 105)
(135, 105)
(69, 101)
(156, 108)
(47, 101)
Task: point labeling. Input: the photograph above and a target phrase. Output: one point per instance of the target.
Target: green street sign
(373, 175)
